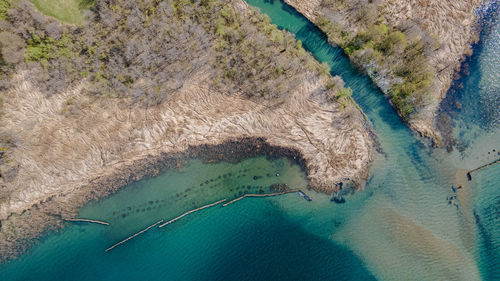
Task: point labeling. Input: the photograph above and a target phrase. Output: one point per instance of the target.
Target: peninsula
(139, 86)
(411, 49)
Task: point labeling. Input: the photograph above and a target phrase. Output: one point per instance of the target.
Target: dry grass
(57, 152)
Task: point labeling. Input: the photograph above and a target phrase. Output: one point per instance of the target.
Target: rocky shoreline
(451, 103)
(49, 214)
(455, 25)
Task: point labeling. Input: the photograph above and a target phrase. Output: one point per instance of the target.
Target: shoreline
(50, 215)
(451, 103)
(116, 143)
(73, 147)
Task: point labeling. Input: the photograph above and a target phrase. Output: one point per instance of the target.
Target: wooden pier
(303, 194)
(161, 224)
(234, 200)
(469, 174)
(258, 195)
(268, 194)
(87, 220)
(130, 237)
(190, 212)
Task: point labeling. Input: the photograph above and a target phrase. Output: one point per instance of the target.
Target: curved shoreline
(49, 215)
(73, 146)
(107, 152)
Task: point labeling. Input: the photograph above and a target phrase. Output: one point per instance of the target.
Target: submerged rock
(279, 187)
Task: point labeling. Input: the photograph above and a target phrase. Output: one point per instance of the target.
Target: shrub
(12, 47)
(393, 42)
(4, 6)
(344, 96)
(377, 33)
(45, 48)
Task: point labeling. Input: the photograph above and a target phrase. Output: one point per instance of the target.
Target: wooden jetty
(190, 212)
(304, 195)
(130, 237)
(469, 174)
(234, 200)
(259, 195)
(87, 220)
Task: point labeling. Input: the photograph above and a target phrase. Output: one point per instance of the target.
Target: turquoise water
(401, 227)
(250, 239)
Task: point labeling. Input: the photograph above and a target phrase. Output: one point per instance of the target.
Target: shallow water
(250, 239)
(401, 227)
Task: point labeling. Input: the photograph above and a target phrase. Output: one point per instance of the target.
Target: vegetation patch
(377, 47)
(4, 6)
(44, 48)
(68, 11)
(147, 50)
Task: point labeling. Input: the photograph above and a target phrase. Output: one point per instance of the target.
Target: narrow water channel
(400, 227)
(409, 219)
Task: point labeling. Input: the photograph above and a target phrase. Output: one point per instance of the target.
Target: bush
(46, 48)
(12, 47)
(344, 96)
(377, 33)
(393, 42)
(4, 6)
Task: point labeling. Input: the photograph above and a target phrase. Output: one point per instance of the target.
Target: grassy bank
(68, 11)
